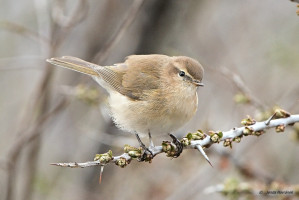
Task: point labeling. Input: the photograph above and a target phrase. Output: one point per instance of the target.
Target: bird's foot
(174, 148)
(147, 154)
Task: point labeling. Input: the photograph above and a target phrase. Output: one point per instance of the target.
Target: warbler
(148, 94)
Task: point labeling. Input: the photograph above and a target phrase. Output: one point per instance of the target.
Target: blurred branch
(19, 29)
(24, 138)
(36, 113)
(233, 189)
(241, 86)
(193, 140)
(132, 13)
(245, 169)
(297, 1)
(76, 16)
(29, 134)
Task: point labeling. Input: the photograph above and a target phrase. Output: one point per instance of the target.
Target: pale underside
(142, 117)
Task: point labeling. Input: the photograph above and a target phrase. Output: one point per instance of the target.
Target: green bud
(237, 139)
(227, 143)
(134, 154)
(248, 121)
(215, 138)
(247, 131)
(104, 158)
(128, 148)
(280, 113)
(241, 98)
(185, 141)
(122, 162)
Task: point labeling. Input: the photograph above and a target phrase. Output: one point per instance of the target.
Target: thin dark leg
(178, 144)
(146, 150)
(140, 142)
(150, 139)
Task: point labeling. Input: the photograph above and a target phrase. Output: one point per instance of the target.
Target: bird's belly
(138, 116)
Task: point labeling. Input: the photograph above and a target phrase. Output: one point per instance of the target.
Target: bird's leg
(150, 140)
(178, 145)
(147, 154)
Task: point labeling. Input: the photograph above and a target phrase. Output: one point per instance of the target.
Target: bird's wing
(136, 78)
(142, 75)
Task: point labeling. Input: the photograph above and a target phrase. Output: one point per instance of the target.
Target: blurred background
(250, 52)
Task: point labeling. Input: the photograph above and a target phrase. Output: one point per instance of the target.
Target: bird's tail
(75, 64)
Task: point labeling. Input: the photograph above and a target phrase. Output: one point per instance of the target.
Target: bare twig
(30, 134)
(255, 129)
(39, 106)
(132, 13)
(76, 16)
(241, 86)
(22, 30)
(24, 138)
(297, 1)
(236, 189)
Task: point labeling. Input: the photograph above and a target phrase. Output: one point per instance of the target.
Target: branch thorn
(200, 149)
(101, 173)
(267, 122)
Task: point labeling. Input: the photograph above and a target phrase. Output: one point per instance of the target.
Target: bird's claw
(178, 144)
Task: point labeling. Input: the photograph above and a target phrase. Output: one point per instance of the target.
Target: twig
(234, 188)
(76, 16)
(22, 30)
(241, 86)
(30, 134)
(24, 138)
(255, 129)
(297, 1)
(132, 13)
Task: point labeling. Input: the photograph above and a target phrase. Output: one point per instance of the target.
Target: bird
(148, 94)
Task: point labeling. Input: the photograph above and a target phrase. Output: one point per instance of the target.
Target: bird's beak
(198, 83)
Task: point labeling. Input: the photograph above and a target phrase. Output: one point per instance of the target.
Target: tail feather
(75, 64)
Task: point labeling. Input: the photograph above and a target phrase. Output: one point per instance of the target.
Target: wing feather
(135, 78)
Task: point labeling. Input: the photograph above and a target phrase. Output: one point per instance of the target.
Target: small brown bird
(147, 93)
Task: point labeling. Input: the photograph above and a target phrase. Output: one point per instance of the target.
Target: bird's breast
(157, 115)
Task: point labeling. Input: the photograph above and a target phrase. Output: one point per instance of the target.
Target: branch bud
(122, 162)
(215, 136)
(133, 151)
(259, 133)
(248, 121)
(280, 128)
(227, 143)
(248, 131)
(104, 158)
(280, 113)
(237, 139)
(169, 148)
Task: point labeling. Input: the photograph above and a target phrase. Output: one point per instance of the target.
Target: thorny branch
(198, 140)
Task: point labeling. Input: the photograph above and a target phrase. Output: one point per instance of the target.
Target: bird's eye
(181, 73)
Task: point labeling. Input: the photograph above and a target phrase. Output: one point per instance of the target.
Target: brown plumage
(154, 93)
